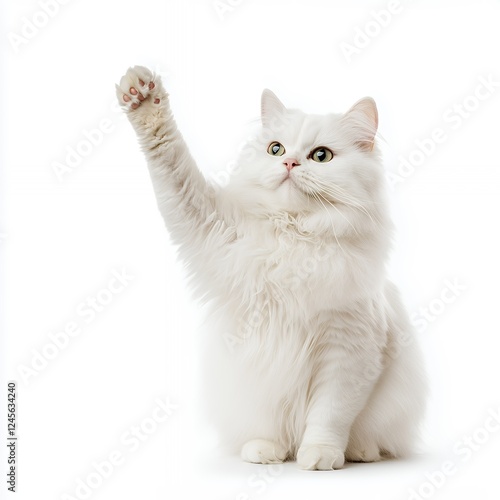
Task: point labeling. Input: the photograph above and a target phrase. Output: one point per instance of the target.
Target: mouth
(300, 184)
(286, 180)
(293, 182)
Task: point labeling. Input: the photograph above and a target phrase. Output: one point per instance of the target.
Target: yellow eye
(321, 155)
(276, 149)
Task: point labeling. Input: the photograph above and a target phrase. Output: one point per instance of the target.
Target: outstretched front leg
(186, 201)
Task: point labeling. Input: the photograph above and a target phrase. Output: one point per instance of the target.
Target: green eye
(321, 155)
(276, 149)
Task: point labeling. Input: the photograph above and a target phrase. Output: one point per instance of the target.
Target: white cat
(312, 356)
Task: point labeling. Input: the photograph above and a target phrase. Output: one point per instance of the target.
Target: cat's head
(301, 163)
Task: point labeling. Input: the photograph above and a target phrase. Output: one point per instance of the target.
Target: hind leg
(362, 446)
(389, 422)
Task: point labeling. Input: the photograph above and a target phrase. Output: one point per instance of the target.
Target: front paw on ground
(320, 457)
(367, 453)
(263, 451)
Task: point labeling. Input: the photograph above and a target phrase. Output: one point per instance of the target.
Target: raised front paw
(139, 86)
(320, 457)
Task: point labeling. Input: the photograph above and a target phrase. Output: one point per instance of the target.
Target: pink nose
(290, 163)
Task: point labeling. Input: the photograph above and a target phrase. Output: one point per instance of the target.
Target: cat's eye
(276, 149)
(321, 155)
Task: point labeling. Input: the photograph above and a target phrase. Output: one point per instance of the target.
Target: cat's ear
(271, 107)
(362, 120)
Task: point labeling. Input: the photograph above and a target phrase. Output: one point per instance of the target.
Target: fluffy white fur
(311, 353)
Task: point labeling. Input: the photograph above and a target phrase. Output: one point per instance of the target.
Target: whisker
(334, 188)
(339, 212)
(344, 198)
(346, 193)
(331, 222)
(338, 194)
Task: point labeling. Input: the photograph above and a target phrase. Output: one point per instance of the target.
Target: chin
(291, 198)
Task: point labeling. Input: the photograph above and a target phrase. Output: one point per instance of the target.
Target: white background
(62, 238)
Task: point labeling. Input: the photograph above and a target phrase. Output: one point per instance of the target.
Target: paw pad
(138, 86)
